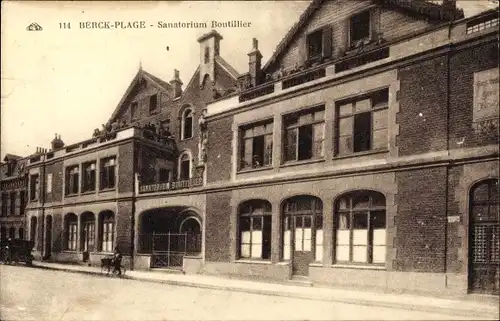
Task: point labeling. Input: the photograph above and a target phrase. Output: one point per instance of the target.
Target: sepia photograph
(250, 160)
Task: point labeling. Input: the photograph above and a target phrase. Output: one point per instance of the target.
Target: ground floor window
(88, 231)
(71, 231)
(255, 230)
(107, 231)
(33, 226)
(361, 228)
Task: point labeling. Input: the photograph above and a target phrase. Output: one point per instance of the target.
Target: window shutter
(302, 51)
(327, 42)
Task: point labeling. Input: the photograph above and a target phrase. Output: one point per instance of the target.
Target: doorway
(48, 237)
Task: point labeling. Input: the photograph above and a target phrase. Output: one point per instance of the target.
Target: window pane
(256, 251)
(344, 110)
(306, 142)
(298, 221)
(318, 222)
(377, 219)
(361, 201)
(319, 115)
(268, 152)
(360, 237)
(480, 212)
(342, 253)
(380, 140)
(307, 245)
(298, 239)
(481, 193)
(246, 237)
(345, 126)
(379, 119)
(291, 145)
(318, 139)
(378, 199)
(379, 237)
(307, 221)
(319, 237)
(343, 237)
(287, 237)
(245, 250)
(259, 130)
(343, 221)
(362, 132)
(257, 237)
(379, 254)
(345, 146)
(319, 253)
(244, 224)
(362, 105)
(257, 223)
(359, 254)
(269, 128)
(360, 220)
(305, 119)
(247, 152)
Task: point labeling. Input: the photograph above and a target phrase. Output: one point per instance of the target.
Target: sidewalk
(487, 309)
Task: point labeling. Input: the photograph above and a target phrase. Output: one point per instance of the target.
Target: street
(37, 294)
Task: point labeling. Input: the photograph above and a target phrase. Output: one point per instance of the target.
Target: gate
(169, 249)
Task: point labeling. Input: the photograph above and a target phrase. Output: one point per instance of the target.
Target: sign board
(486, 96)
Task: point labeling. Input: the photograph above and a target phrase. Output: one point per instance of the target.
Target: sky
(69, 81)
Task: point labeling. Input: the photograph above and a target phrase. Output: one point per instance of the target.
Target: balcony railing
(170, 186)
(302, 78)
(257, 92)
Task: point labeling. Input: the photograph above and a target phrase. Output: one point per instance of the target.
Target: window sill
(70, 195)
(186, 139)
(359, 267)
(88, 192)
(251, 170)
(249, 261)
(70, 251)
(109, 189)
(316, 264)
(302, 162)
(359, 154)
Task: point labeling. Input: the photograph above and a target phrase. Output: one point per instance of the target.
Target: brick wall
(57, 232)
(217, 227)
(464, 63)
(420, 237)
(219, 149)
(123, 221)
(126, 168)
(454, 260)
(56, 169)
(422, 113)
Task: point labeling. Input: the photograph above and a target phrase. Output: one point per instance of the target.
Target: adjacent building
(363, 152)
(13, 184)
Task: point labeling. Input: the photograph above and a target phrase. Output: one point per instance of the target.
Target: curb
(411, 307)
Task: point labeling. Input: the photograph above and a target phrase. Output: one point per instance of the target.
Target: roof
(11, 156)
(423, 7)
(140, 73)
(224, 64)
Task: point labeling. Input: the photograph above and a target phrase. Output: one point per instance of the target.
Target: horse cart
(15, 251)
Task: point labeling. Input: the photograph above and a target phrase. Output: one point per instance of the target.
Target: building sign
(485, 113)
(193, 182)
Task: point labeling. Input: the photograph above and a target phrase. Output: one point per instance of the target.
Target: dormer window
(315, 44)
(359, 29)
(153, 103)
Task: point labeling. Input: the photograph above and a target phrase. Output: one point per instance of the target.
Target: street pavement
(37, 294)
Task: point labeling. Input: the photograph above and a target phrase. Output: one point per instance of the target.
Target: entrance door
(302, 252)
(484, 272)
(48, 237)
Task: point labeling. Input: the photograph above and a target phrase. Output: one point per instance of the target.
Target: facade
(364, 152)
(13, 201)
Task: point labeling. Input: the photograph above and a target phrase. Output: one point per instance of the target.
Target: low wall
(192, 264)
(278, 272)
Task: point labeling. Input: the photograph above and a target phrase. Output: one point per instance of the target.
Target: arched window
(303, 228)
(187, 124)
(12, 233)
(88, 231)
(107, 231)
(184, 166)
(361, 227)
(33, 227)
(21, 233)
(254, 221)
(70, 228)
(484, 237)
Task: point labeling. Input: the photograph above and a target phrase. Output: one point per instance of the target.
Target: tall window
(134, 110)
(359, 28)
(89, 177)
(5, 206)
(362, 123)
(107, 231)
(21, 233)
(207, 55)
(187, 124)
(108, 173)
(49, 183)
(71, 231)
(22, 202)
(33, 228)
(303, 226)
(88, 231)
(3, 233)
(184, 167)
(255, 230)
(13, 203)
(153, 102)
(72, 179)
(304, 134)
(12, 233)
(361, 228)
(256, 146)
(34, 181)
(165, 175)
(315, 44)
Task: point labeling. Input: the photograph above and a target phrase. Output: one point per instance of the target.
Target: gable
(138, 100)
(388, 21)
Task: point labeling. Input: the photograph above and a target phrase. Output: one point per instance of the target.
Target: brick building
(13, 201)
(364, 152)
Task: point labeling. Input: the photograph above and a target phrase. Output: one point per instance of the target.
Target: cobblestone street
(36, 294)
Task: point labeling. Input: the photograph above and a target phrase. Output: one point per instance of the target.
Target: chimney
(449, 4)
(209, 49)
(254, 63)
(176, 84)
(57, 142)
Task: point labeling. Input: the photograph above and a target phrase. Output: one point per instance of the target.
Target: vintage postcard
(250, 160)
